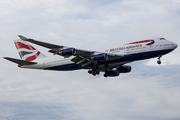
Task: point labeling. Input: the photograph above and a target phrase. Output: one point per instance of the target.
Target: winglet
(22, 37)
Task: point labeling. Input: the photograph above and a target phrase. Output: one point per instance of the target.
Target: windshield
(162, 39)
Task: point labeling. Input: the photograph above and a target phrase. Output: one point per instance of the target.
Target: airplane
(111, 61)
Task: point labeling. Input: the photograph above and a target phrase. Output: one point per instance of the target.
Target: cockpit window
(162, 39)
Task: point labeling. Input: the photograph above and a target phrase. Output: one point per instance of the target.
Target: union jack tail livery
(26, 51)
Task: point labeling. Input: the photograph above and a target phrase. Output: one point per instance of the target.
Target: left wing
(82, 57)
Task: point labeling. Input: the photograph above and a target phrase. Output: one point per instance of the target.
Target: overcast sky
(149, 92)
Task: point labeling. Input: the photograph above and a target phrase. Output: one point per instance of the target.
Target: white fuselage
(131, 51)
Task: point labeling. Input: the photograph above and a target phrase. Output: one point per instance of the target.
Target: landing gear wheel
(159, 62)
(94, 73)
(90, 71)
(105, 75)
(159, 59)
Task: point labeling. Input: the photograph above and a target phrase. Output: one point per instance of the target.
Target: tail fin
(26, 51)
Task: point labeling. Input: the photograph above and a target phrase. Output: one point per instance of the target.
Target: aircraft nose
(175, 45)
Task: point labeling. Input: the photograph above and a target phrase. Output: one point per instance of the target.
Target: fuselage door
(127, 50)
(151, 47)
(44, 65)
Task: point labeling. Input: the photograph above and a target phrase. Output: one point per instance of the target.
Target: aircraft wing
(43, 44)
(82, 57)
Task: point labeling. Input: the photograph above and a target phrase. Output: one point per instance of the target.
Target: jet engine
(112, 73)
(124, 69)
(67, 52)
(102, 56)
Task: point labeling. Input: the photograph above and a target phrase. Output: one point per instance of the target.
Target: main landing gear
(93, 72)
(159, 59)
(105, 75)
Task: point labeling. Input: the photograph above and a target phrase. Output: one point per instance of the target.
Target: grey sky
(149, 92)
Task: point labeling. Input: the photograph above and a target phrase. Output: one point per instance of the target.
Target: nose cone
(175, 45)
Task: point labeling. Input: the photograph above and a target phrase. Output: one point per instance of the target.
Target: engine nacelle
(112, 73)
(124, 69)
(102, 56)
(68, 52)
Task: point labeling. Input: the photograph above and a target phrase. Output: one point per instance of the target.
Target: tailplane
(26, 51)
(20, 62)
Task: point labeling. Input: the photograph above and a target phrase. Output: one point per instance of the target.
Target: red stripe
(142, 41)
(31, 58)
(21, 45)
(19, 65)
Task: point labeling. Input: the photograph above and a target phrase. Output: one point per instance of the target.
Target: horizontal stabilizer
(20, 62)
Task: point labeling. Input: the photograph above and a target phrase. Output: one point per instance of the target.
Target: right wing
(82, 57)
(43, 44)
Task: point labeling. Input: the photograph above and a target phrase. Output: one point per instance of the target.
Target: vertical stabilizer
(26, 51)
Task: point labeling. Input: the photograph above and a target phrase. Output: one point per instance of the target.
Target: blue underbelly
(130, 57)
(138, 56)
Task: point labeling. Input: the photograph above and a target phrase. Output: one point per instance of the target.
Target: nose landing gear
(158, 62)
(159, 59)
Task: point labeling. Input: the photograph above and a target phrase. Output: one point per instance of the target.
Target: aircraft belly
(137, 56)
(126, 59)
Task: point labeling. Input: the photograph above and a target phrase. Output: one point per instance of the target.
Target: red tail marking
(21, 45)
(31, 58)
(19, 65)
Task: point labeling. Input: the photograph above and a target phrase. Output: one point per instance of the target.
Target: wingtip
(5, 57)
(22, 37)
